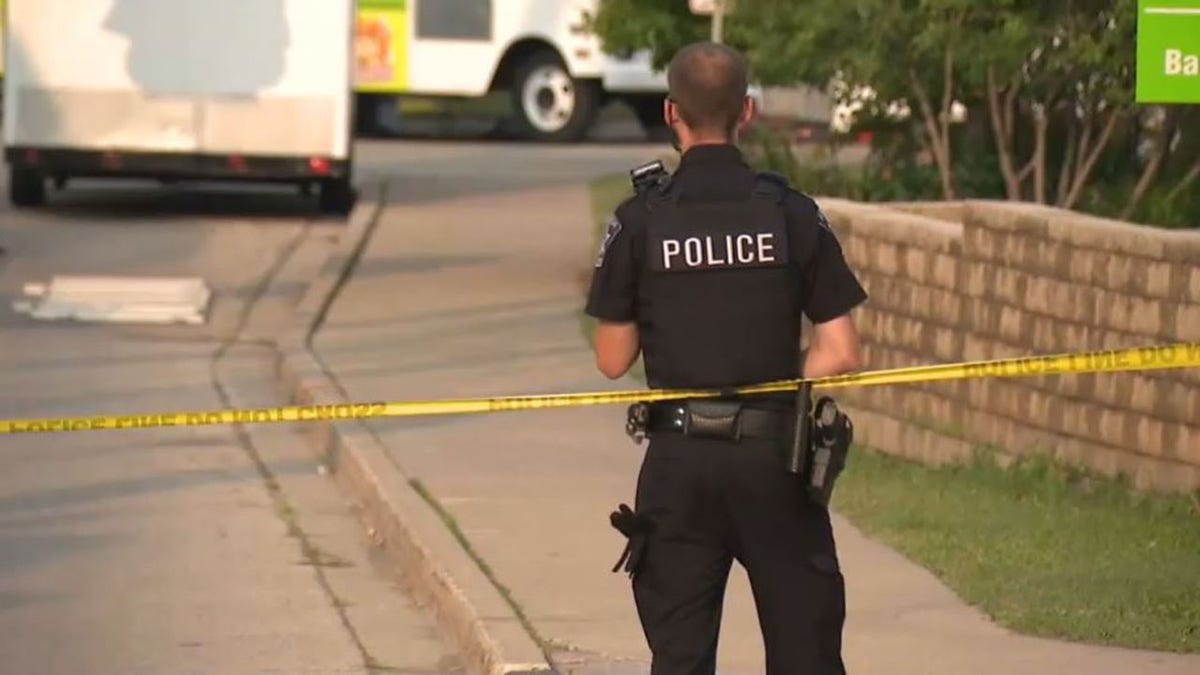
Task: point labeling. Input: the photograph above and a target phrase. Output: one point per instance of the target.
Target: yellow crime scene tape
(1173, 356)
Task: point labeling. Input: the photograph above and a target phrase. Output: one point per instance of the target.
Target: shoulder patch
(771, 186)
(822, 220)
(774, 177)
(610, 232)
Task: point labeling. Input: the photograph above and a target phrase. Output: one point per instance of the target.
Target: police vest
(719, 289)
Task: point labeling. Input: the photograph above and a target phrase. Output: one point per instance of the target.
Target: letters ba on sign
(1168, 51)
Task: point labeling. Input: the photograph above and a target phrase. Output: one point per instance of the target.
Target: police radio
(646, 176)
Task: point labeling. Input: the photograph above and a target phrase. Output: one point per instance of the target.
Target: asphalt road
(201, 550)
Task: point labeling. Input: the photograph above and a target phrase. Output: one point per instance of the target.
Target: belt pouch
(713, 419)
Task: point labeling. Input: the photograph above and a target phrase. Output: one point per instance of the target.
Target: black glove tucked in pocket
(637, 529)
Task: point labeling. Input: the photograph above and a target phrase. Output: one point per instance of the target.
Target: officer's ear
(749, 112)
(670, 113)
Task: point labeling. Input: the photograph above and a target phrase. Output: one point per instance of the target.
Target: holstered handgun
(797, 456)
(830, 438)
(820, 444)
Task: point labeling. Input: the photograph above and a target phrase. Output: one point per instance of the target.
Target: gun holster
(820, 444)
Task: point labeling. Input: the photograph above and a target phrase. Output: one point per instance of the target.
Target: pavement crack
(311, 554)
(452, 525)
(346, 273)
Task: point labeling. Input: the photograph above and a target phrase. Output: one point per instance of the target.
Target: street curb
(431, 562)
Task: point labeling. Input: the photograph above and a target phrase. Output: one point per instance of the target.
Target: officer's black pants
(712, 502)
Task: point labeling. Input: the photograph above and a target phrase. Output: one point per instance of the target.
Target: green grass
(607, 193)
(1044, 551)
(452, 525)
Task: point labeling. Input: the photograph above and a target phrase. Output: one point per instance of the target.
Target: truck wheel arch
(549, 102)
(517, 52)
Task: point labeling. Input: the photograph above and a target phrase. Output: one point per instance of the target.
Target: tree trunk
(1161, 146)
(1084, 171)
(1068, 166)
(1001, 119)
(938, 144)
(1038, 163)
(947, 107)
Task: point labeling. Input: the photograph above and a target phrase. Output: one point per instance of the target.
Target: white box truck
(542, 52)
(249, 90)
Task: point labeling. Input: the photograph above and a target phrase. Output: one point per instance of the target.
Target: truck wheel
(26, 187)
(376, 115)
(551, 105)
(337, 196)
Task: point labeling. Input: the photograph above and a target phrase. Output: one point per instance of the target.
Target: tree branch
(926, 109)
(1002, 130)
(1084, 145)
(1190, 177)
(1040, 125)
(1010, 103)
(947, 87)
(1077, 145)
(947, 102)
(1085, 171)
(931, 131)
(1162, 143)
(1065, 173)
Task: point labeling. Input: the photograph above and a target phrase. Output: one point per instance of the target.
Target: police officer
(707, 274)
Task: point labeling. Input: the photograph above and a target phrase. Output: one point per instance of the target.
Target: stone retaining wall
(981, 280)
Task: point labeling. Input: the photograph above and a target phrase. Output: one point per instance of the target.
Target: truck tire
(26, 187)
(336, 196)
(551, 105)
(377, 116)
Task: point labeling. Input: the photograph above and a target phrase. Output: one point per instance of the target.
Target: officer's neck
(703, 141)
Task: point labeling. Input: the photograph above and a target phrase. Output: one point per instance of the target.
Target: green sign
(1168, 51)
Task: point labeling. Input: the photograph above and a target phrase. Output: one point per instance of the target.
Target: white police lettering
(719, 251)
(766, 251)
(745, 249)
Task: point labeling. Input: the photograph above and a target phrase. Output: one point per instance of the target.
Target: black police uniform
(716, 267)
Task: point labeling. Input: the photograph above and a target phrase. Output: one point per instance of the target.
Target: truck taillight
(318, 165)
(237, 163)
(32, 156)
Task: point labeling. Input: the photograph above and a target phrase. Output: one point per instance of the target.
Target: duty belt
(725, 420)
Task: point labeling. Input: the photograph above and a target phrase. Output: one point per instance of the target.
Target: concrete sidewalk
(481, 296)
(178, 549)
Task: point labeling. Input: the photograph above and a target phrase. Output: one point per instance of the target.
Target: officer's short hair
(708, 82)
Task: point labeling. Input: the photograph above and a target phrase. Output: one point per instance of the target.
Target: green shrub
(891, 173)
